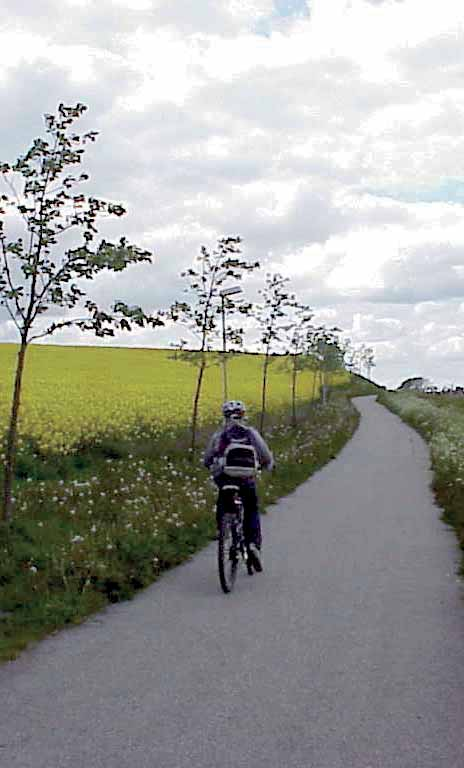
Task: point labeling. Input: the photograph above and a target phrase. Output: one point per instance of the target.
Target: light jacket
(213, 452)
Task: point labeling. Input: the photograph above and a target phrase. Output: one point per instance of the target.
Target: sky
(328, 134)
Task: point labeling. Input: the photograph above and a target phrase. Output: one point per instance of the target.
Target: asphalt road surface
(347, 652)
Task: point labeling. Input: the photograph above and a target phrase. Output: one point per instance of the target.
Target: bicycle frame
(231, 543)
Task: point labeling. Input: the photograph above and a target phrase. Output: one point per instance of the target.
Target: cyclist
(236, 431)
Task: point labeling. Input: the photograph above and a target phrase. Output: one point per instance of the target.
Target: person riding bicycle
(223, 443)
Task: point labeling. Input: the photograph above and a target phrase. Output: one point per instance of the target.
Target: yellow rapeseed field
(82, 395)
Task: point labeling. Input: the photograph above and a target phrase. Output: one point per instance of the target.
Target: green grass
(106, 498)
(77, 544)
(359, 386)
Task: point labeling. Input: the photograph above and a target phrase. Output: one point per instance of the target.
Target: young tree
(360, 355)
(37, 278)
(297, 344)
(368, 360)
(330, 355)
(270, 314)
(312, 357)
(201, 313)
(347, 351)
(352, 357)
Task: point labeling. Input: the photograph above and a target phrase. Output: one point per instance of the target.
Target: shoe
(254, 557)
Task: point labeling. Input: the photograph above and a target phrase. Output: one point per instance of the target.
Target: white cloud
(249, 8)
(18, 47)
(316, 144)
(170, 66)
(450, 348)
(131, 5)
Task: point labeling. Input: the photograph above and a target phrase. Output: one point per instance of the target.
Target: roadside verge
(440, 421)
(76, 545)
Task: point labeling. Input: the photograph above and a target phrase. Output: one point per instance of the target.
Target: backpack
(239, 458)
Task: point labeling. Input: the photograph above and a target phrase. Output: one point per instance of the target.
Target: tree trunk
(196, 404)
(264, 392)
(324, 388)
(314, 385)
(11, 444)
(294, 379)
(319, 394)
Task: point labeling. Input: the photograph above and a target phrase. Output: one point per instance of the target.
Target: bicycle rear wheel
(228, 553)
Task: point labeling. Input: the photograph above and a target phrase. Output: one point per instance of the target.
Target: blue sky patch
(447, 191)
(287, 8)
(283, 9)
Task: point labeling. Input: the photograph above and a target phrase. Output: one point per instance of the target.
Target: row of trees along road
(40, 278)
(360, 359)
(283, 324)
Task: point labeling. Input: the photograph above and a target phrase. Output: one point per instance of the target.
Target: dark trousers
(251, 520)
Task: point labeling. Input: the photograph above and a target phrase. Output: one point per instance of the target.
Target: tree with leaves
(349, 358)
(368, 359)
(38, 277)
(359, 359)
(313, 359)
(356, 358)
(271, 315)
(201, 313)
(329, 353)
(298, 360)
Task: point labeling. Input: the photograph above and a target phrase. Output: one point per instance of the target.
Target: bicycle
(231, 542)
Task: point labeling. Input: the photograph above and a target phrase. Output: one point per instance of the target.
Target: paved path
(348, 652)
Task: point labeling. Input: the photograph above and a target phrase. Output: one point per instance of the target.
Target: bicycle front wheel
(228, 553)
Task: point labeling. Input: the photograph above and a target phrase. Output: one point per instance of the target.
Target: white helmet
(234, 409)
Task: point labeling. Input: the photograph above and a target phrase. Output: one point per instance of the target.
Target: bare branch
(11, 314)
(59, 326)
